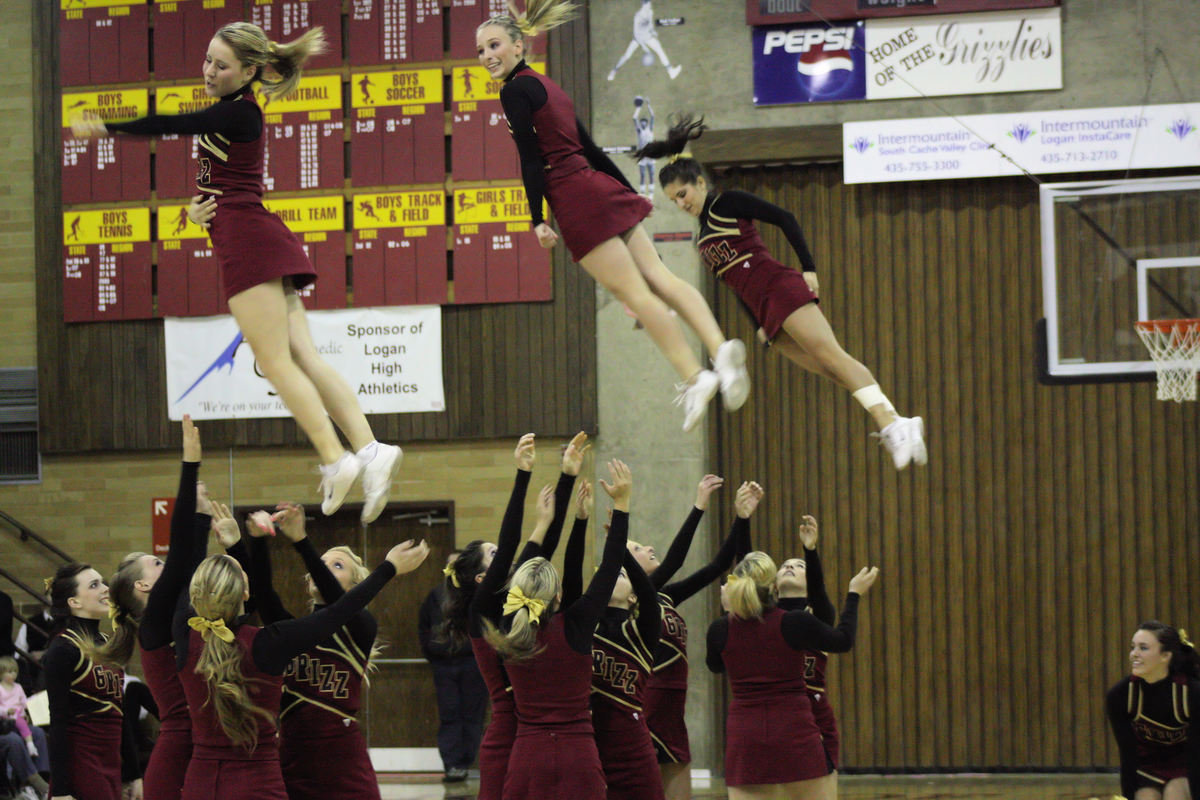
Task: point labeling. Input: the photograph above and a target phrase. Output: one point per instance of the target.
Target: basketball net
(1174, 344)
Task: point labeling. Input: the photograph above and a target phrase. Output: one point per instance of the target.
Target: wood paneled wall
(508, 368)
(1049, 522)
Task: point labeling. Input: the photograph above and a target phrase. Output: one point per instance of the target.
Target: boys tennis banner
(390, 357)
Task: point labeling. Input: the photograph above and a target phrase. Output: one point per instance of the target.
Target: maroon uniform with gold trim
(501, 731)
(591, 199)
(1155, 731)
(816, 662)
(253, 245)
(85, 718)
(622, 660)
(322, 694)
(732, 248)
(219, 769)
(666, 688)
(173, 747)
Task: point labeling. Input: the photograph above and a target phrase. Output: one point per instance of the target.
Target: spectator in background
(461, 693)
(23, 752)
(6, 620)
(33, 642)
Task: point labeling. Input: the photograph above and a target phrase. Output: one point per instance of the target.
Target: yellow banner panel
(468, 84)
(181, 99)
(113, 105)
(170, 5)
(72, 5)
(106, 226)
(495, 204)
(307, 214)
(173, 223)
(399, 209)
(315, 93)
(402, 87)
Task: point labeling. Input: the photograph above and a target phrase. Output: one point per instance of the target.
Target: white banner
(990, 145)
(924, 56)
(391, 357)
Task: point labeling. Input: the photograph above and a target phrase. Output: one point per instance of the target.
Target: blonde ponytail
(125, 612)
(540, 16)
(216, 593)
(749, 589)
(253, 49)
(536, 582)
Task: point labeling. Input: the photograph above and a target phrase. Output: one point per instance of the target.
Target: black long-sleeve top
(677, 552)
(582, 616)
(188, 546)
(562, 501)
(572, 577)
(64, 665)
(362, 626)
(801, 631)
(733, 549)
(817, 600)
(743, 205)
(237, 122)
(486, 602)
(649, 614)
(1149, 714)
(521, 96)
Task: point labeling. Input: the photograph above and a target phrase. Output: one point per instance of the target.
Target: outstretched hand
(191, 441)
(748, 496)
(808, 532)
(584, 500)
(545, 506)
(259, 524)
(87, 126)
(708, 484)
(524, 454)
(622, 484)
(289, 518)
(573, 453)
(864, 580)
(225, 526)
(407, 556)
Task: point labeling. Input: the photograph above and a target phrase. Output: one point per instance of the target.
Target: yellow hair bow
(448, 571)
(114, 611)
(517, 600)
(1183, 637)
(216, 627)
(47, 582)
(678, 156)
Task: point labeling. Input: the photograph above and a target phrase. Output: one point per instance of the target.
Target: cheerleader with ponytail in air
(600, 213)
(782, 301)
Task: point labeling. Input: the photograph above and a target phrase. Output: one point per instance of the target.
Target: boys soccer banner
(391, 357)
(882, 59)
(1040, 142)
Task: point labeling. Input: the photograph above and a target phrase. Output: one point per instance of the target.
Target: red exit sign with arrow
(160, 524)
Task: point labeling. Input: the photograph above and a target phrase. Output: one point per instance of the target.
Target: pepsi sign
(809, 63)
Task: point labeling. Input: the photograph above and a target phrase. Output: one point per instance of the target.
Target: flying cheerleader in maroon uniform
(322, 687)
(800, 586)
(666, 690)
(600, 213)
(232, 673)
(547, 653)
(782, 301)
(1153, 712)
(473, 585)
(91, 753)
(772, 743)
(263, 264)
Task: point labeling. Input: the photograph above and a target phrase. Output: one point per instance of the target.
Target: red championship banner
(465, 18)
(399, 254)
(497, 258)
(304, 137)
(106, 169)
(182, 31)
(285, 20)
(161, 509)
(394, 31)
(175, 155)
(106, 260)
(319, 223)
(103, 41)
(189, 279)
(481, 148)
(399, 130)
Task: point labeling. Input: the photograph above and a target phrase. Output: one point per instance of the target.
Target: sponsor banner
(391, 357)
(990, 145)
(773, 12)
(399, 209)
(882, 59)
(399, 88)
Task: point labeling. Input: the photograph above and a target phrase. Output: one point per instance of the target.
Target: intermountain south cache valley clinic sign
(391, 357)
(881, 59)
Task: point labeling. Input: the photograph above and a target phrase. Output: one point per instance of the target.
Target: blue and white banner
(879, 59)
(390, 357)
(991, 145)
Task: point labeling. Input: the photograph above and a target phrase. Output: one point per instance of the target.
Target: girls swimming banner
(391, 357)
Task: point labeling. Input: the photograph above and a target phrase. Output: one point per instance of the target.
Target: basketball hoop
(1174, 344)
